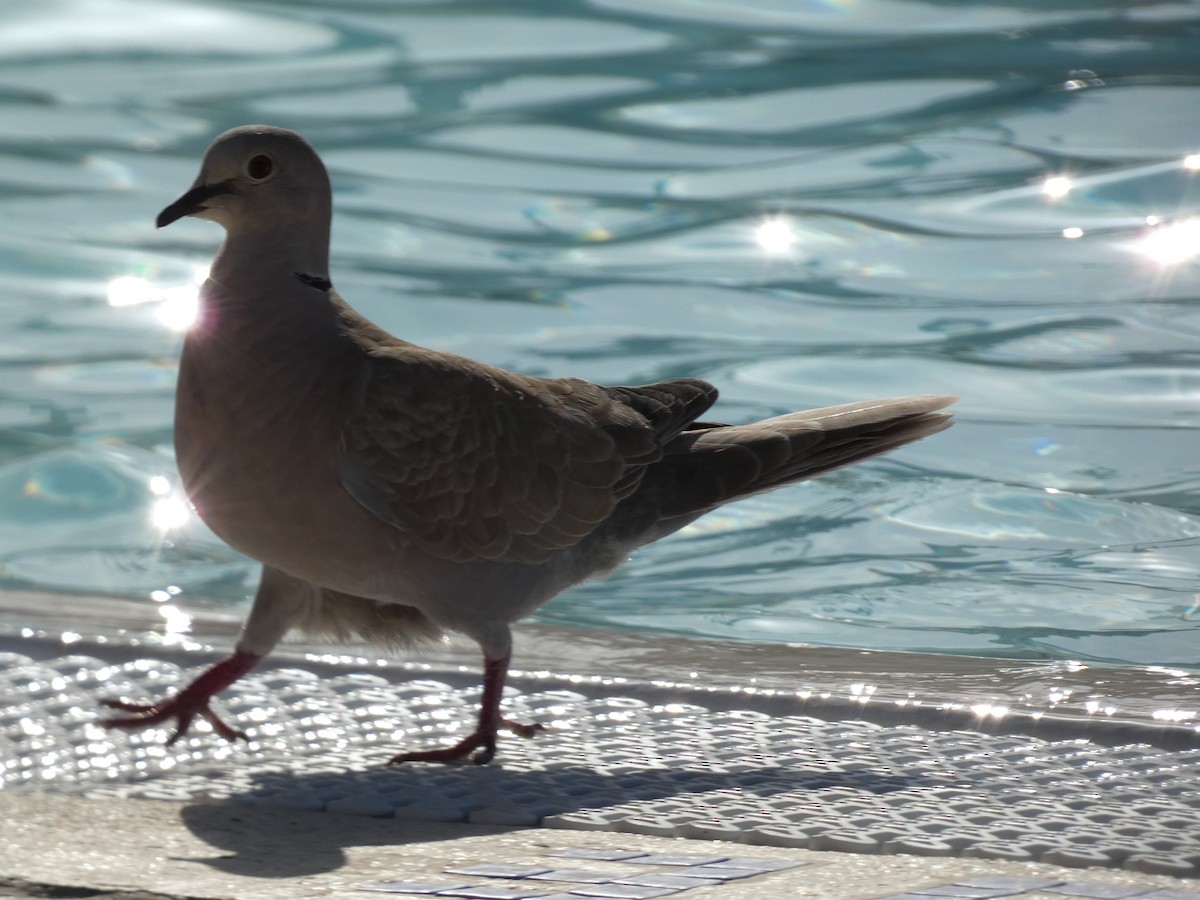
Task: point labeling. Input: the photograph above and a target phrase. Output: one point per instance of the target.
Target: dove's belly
(320, 534)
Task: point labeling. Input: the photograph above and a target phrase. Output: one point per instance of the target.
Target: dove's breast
(258, 419)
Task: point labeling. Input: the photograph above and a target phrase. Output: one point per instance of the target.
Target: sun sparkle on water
(131, 290)
(1170, 245)
(178, 304)
(170, 512)
(1056, 187)
(176, 621)
(775, 235)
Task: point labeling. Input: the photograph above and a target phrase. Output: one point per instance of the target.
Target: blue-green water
(804, 202)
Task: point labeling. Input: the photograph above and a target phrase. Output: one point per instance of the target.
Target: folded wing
(476, 463)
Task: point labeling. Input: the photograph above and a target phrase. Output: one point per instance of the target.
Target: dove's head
(257, 177)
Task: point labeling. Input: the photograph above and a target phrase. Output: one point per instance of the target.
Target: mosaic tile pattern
(690, 873)
(615, 763)
(661, 876)
(987, 887)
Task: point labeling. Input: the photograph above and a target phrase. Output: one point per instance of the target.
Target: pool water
(805, 203)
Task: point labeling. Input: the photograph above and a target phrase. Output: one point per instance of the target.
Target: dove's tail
(710, 465)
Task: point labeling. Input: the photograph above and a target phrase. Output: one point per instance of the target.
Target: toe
(525, 731)
(460, 753)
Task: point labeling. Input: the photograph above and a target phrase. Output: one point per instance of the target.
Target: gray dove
(393, 493)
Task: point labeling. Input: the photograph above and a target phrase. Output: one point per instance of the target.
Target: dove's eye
(260, 167)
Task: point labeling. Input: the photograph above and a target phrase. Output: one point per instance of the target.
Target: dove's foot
(189, 703)
(179, 708)
(483, 738)
(462, 752)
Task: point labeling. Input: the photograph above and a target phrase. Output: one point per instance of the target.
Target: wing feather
(476, 463)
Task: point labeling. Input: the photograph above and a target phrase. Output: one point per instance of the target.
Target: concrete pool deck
(60, 846)
(927, 774)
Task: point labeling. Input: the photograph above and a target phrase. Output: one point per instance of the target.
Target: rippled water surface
(803, 202)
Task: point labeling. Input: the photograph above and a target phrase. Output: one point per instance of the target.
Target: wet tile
(719, 873)
(488, 892)
(760, 862)
(623, 892)
(1015, 882)
(582, 876)
(666, 880)
(967, 891)
(496, 870)
(415, 887)
(598, 853)
(670, 859)
(1098, 891)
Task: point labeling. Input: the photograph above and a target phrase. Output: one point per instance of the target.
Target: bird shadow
(267, 841)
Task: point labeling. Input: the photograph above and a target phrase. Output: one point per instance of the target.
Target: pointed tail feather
(856, 431)
(710, 465)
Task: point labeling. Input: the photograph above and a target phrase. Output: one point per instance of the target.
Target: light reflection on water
(175, 305)
(1173, 244)
(805, 205)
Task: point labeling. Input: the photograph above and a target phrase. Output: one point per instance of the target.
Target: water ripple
(806, 203)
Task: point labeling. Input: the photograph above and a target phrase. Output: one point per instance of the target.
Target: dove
(394, 493)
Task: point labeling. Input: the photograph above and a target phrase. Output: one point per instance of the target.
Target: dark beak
(191, 203)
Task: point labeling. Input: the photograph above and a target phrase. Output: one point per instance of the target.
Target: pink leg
(192, 701)
(483, 738)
